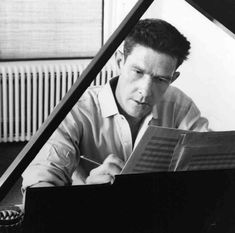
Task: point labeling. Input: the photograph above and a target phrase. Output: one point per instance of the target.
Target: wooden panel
(49, 28)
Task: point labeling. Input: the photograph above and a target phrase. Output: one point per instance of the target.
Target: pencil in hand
(90, 160)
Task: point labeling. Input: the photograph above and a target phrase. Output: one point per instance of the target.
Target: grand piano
(199, 201)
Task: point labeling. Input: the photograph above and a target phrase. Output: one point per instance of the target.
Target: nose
(146, 85)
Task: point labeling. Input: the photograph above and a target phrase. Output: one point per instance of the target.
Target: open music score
(167, 149)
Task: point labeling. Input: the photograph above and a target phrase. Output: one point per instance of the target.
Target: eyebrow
(163, 76)
(169, 77)
(137, 67)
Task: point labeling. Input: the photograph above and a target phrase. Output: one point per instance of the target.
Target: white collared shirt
(95, 128)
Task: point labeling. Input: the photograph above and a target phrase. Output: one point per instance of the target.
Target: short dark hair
(159, 35)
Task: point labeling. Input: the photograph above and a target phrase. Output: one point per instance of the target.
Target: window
(50, 28)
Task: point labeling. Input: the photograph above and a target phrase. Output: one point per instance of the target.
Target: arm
(57, 159)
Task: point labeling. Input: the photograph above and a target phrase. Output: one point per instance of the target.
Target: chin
(139, 115)
(138, 112)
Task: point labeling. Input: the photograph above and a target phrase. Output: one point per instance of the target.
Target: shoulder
(177, 96)
(176, 107)
(89, 97)
(185, 113)
(86, 106)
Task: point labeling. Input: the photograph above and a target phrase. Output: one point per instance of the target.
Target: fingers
(106, 169)
(99, 179)
(114, 159)
(106, 172)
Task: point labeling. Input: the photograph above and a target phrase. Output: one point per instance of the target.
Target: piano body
(158, 202)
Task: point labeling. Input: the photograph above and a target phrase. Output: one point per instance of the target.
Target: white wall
(208, 76)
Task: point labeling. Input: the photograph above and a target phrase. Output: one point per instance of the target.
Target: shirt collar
(107, 101)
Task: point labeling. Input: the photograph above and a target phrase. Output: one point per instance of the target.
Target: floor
(8, 152)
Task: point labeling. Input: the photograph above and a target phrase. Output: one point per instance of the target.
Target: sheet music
(212, 137)
(154, 151)
(168, 149)
(203, 143)
(207, 157)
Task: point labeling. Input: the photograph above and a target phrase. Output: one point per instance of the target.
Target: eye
(163, 79)
(137, 71)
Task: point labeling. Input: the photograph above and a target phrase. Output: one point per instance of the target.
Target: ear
(119, 58)
(175, 76)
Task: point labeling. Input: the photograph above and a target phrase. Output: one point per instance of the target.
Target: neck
(134, 124)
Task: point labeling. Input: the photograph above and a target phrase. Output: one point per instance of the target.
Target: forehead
(147, 58)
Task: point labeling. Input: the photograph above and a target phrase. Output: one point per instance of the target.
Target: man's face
(144, 77)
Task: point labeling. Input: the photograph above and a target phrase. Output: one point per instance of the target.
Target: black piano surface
(164, 202)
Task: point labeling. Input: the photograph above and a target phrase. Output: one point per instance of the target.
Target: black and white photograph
(117, 116)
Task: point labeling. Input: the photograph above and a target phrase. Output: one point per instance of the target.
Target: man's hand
(43, 184)
(105, 173)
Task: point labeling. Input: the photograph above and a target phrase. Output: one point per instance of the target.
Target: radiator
(29, 91)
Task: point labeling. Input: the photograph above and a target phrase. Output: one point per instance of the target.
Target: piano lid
(221, 12)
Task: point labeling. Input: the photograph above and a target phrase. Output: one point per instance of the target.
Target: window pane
(50, 28)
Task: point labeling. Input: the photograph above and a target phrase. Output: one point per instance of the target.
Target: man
(108, 121)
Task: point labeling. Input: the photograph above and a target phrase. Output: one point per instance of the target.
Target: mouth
(142, 103)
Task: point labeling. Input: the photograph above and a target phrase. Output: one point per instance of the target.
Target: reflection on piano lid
(221, 12)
